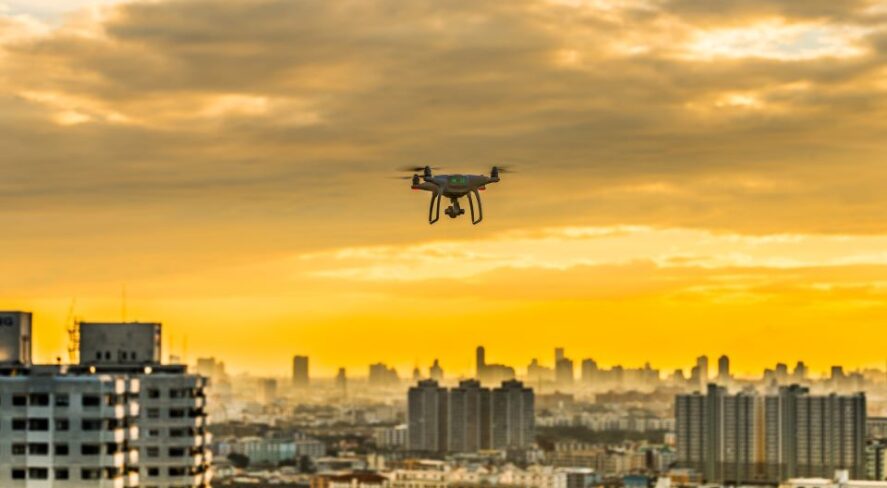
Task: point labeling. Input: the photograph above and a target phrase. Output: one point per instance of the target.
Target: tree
(240, 461)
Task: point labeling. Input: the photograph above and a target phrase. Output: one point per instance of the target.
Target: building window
(38, 449)
(20, 400)
(61, 473)
(98, 355)
(90, 450)
(176, 413)
(153, 393)
(18, 473)
(19, 449)
(108, 355)
(61, 449)
(154, 433)
(19, 424)
(153, 413)
(62, 400)
(153, 472)
(38, 473)
(176, 452)
(39, 399)
(91, 424)
(133, 355)
(90, 474)
(91, 401)
(62, 424)
(176, 471)
(40, 425)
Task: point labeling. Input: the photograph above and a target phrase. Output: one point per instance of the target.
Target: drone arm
(480, 210)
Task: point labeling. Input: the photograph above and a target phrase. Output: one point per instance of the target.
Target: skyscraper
(427, 417)
(172, 402)
(480, 361)
(589, 371)
(342, 382)
(435, 372)
(301, 378)
(491, 373)
(724, 369)
(701, 373)
(469, 417)
(564, 372)
(746, 438)
(513, 421)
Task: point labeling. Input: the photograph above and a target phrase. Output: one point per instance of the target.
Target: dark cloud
(323, 98)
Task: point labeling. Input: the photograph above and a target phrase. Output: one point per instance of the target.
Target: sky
(692, 177)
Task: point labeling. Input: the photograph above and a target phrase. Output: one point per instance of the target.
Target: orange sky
(691, 179)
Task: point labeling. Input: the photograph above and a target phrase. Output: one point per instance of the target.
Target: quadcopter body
(454, 187)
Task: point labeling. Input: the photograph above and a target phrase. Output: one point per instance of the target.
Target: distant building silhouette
(382, 375)
(436, 372)
(724, 369)
(492, 373)
(301, 377)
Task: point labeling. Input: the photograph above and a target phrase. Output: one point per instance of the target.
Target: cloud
(281, 119)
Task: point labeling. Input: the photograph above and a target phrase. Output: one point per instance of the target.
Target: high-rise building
(173, 442)
(699, 376)
(382, 375)
(436, 372)
(589, 371)
(427, 417)
(469, 417)
(491, 373)
(723, 369)
(15, 338)
(120, 418)
(513, 418)
(781, 372)
(342, 382)
(800, 372)
(558, 354)
(66, 428)
(563, 372)
(301, 377)
(480, 360)
(746, 438)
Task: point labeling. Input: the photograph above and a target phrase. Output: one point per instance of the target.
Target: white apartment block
(60, 429)
(173, 441)
(118, 419)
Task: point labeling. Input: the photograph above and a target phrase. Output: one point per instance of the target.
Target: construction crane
(73, 326)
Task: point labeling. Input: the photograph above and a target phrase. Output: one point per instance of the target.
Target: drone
(453, 187)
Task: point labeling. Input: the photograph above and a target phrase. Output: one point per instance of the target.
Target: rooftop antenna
(73, 327)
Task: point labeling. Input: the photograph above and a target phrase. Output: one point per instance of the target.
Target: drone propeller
(505, 169)
(417, 169)
(400, 177)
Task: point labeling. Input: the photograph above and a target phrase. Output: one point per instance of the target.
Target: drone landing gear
(455, 210)
(436, 216)
(480, 209)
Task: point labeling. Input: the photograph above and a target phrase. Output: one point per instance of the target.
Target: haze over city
(692, 178)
